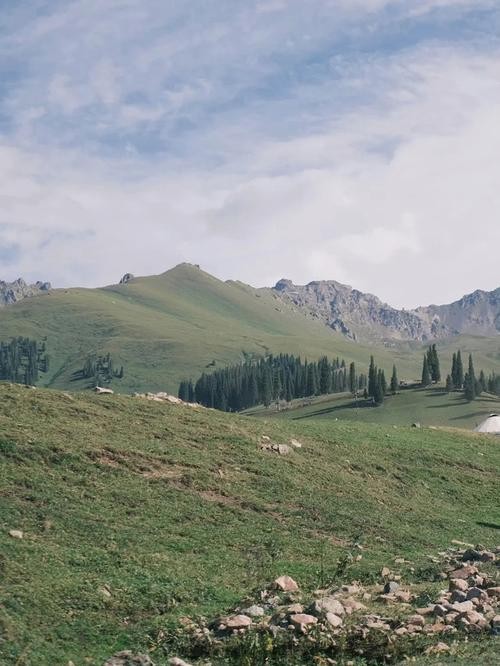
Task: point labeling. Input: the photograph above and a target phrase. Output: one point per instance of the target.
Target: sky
(353, 140)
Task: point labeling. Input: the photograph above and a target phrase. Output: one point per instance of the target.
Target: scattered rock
(440, 648)
(16, 534)
(329, 605)
(254, 611)
(391, 587)
(127, 658)
(333, 620)
(464, 573)
(295, 609)
(286, 584)
(295, 443)
(458, 584)
(175, 661)
(238, 622)
(302, 621)
(386, 572)
(100, 390)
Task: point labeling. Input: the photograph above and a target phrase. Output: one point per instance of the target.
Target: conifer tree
(460, 371)
(353, 383)
(426, 377)
(449, 384)
(372, 378)
(394, 381)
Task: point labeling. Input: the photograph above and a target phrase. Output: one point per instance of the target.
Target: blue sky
(330, 139)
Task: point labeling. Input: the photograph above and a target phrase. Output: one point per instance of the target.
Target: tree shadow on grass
(336, 408)
(492, 526)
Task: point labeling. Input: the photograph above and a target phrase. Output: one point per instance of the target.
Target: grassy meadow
(137, 513)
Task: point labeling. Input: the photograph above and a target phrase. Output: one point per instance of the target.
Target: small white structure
(490, 425)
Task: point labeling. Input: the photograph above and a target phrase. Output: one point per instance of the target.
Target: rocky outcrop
(12, 292)
(361, 316)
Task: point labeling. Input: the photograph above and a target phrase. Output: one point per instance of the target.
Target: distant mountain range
(12, 292)
(365, 317)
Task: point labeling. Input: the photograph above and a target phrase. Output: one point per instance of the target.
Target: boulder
(16, 534)
(493, 592)
(391, 587)
(100, 390)
(286, 584)
(463, 607)
(254, 611)
(458, 584)
(465, 572)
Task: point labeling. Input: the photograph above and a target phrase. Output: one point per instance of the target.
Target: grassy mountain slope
(178, 511)
(170, 327)
(173, 326)
(430, 406)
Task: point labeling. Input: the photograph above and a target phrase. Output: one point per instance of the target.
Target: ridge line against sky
(354, 140)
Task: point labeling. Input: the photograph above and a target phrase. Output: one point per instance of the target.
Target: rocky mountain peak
(12, 292)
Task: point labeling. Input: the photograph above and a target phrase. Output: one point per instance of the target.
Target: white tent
(491, 425)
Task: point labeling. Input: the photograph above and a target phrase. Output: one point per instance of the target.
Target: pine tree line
(272, 379)
(377, 384)
(101, 370)
(22, 359)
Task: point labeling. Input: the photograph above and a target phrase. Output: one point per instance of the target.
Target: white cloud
(242, 144)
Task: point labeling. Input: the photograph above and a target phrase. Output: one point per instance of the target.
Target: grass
(176, 325)
(429, 407)
(177, 511)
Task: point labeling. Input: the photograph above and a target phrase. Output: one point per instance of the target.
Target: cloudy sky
(356, 140)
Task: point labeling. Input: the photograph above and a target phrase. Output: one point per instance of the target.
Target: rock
(127, 658)
(399, 560)
(462, 607)
(495, 622)
(333, 620)
(458, 596)
(295, 609)
(238, 622)
(451, 618)
(403, 596)
(440, 648)
(473, 617)
(493, 592)
(329, 605)
(416, 620)
(303, 621)
(440, 610)
(416, 425)
(471, 555)
(424, 612)
(458, 584)
(105, 592)
(284, 449)
(175, 661)
(487, 556)
(352, 589)
(254, 611)
(352, 606)
(16, 534)
(385, 572)
(295, 443)
(126, 278)
(476, 593)
(391, 587)
(464, 573)
(100, 390)
(286, 584)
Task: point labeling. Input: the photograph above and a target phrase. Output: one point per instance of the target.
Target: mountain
(361, 316)
(170, 327)
(12, 292)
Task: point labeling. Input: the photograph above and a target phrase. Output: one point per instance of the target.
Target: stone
(105, 592)
(352, 589)
(303, 621)
(254, 611)
(385, 572)
(404, 596)
(476, 593)
(283, 449)
(458, 596)
(175, 661)
(352, 606)
(424, 612)
(329, 605)
(100, 390)
(462, 607)
(465, 572)
(295, 609)
(487, 556)
(238, 622)
(126, 278)
(286, 584)
(333, 620)
(295, 443)
(440, 610)
(16, 534)
(451, 618)
(458, 584)
(127, 658)
(473, 617)
(391, 587)
(493, 592)
(440, 648)
(495, 622)
(416, 620)
(471, 555)
(401, 631)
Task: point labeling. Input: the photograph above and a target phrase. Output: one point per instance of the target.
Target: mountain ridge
(13, 292)
(363, 316)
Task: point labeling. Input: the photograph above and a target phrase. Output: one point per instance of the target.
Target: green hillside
(136, 513)
(166, 328)
(430, 406)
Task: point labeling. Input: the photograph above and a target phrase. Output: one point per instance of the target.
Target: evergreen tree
(379, 389)
(394, 380)
(426, 377)
(460, 371)
(372, 378)
(449, 384)
(353, 383)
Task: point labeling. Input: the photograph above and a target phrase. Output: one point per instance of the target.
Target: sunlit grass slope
(136, 513)
(431, 406)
